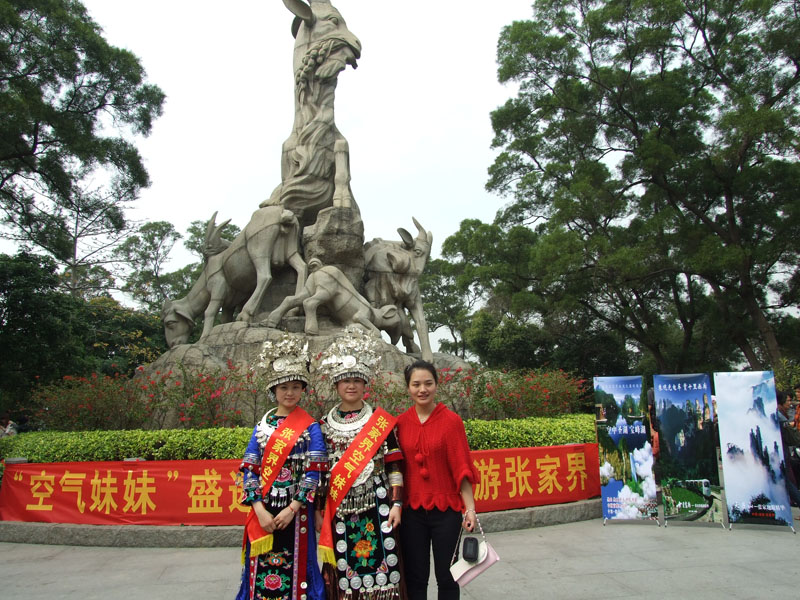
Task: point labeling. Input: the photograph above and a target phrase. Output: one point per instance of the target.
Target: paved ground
(575, 561)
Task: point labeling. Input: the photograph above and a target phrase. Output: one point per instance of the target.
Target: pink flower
(273, 582)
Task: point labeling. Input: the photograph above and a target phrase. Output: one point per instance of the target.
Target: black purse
(469, 549)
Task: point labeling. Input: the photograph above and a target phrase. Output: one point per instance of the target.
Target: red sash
(276, 451)
(342, 476)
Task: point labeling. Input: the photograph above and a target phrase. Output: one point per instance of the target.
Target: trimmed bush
(229, 443)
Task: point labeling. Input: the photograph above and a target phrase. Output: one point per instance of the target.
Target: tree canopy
(70, 104)
(651, 158)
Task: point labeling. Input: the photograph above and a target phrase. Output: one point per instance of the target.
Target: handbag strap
(461, 533)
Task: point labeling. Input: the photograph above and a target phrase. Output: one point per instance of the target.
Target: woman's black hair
(420, 364)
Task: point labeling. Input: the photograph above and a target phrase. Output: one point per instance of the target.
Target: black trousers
(421, 530)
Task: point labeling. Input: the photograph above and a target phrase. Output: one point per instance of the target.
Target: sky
(415, 112)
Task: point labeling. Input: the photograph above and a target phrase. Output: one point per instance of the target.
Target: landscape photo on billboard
(752, 453)
(628, 488)
(686, 456)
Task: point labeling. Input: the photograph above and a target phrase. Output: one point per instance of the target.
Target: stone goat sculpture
(392, 271)
(241, 272)
(315, 170)
(328, 286)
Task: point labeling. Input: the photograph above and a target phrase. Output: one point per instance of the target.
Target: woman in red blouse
(438, 480)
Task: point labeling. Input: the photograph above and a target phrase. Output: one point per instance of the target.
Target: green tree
(39, 328)
(118, 338)
(46, 333)
(145, 254)
(654, 145)
(70, 102)
(449, 302)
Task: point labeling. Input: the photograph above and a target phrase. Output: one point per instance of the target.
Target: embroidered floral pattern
(274, 577)
(364, 540)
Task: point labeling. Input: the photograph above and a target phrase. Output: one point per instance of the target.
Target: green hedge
(229, 443)
(533, 431)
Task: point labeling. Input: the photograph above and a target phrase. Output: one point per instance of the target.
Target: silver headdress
(353, 353)
(284, 359)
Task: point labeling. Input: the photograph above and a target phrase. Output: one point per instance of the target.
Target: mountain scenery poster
(628, 488)
(752, 453)
(686, 461)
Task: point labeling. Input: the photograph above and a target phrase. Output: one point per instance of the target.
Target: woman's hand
(265, 518)
(286, 516)
(470, 520)
(318, 520)
(394, 516)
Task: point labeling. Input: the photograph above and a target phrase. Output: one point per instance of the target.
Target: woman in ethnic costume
(364, 490)
(281, 468)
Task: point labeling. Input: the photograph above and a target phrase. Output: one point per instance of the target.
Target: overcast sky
(415, 112)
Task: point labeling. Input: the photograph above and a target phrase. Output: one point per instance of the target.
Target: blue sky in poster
(677, 389)
(620, 387)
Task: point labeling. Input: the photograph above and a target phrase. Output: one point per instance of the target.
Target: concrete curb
(154, 536)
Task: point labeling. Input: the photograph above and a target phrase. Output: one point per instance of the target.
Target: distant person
(7, 426)
(796, 422)
(790, 437)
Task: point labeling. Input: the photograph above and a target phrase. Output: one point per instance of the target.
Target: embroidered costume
(358, 545)
(282, 463)
(365, 546)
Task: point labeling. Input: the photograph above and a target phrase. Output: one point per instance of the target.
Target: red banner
(206, 492)
(520, 477)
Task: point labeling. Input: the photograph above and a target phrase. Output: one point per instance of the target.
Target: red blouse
(437, 458)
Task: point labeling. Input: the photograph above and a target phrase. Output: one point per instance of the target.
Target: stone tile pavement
(575, 561)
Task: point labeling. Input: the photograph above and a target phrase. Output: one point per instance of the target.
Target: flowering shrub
(185, 400)
(193, 400)
(233, 397)
(86, 403)
(482, 394)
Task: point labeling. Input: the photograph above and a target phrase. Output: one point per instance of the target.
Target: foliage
(167, 444)
(532, 431)
(518, 328)
(229, 443)
(145, 254)
(650, 155)
(787, 375)
(487, 394)
(120, 338)
(186, 399)
(46, 334)
(70, 101)
(448, 303)
(87, 403)
(40, 328)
